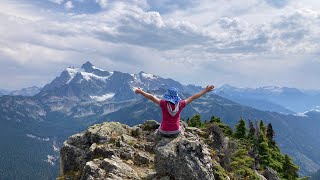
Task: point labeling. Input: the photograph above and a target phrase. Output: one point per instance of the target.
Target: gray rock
(136, 131)
(72, 158)
(105, 132)
(150, 125)
(194, 130)
(92, 171)
(115, 166)
(139, 146)
(216, 134)
(151, 175)
(77, 140)
(142, 158)
(127, 154)
(165, 178)
(259, 175)
(270, 174)
(128, 139)
(181, 158)
(148, 147)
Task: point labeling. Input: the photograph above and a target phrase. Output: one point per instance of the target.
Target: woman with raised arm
(171, 106)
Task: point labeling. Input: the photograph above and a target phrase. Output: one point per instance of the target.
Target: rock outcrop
(116, 151)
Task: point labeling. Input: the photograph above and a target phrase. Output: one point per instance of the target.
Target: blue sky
(247, 43)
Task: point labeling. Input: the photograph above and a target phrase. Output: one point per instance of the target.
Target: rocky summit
(112, 150)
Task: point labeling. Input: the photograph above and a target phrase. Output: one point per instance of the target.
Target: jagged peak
(88, 64)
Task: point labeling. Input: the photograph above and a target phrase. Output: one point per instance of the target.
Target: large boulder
(183, 158)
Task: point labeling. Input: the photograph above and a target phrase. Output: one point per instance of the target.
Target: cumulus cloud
(68, 5)
(102, 3)
(230, 45)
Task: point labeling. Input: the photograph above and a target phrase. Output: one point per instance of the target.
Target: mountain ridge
(281, 99)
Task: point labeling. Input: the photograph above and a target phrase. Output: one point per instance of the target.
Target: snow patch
(273, 89)
(84, 113)
(149, 76)
(103, 97)
(109, 110)
(136, 78)
(55, 147)
(39, 138)
(72, 72)
(301, 114)
(51, 159)
(94, 67)
(87, 76)
(315, 109)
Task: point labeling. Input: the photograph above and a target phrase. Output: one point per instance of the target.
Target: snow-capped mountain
(279, 99)
(4, 92)
(265, 90)
(30, 91)
(92, 83)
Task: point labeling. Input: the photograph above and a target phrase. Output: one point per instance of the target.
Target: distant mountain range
(271, 98)
(80, 97)
(30, 91)
(4, 92)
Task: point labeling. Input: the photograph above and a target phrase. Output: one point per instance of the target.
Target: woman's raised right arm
(147, 95)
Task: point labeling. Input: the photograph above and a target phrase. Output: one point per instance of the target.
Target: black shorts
(169, 135)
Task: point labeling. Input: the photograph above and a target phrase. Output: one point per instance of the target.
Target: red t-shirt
(170, 123)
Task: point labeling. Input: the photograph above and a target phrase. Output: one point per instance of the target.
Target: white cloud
(238, 44)
(68, 5)
(102, 3)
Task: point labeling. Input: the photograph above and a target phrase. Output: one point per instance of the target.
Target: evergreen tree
(262, 127)
(263, 149)
(188, 121)
(252, 132)
(241, 129)
(216, 120)
(290, 170)
(212, 119)
(195, 121)
(270, 135)
(241, 165)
